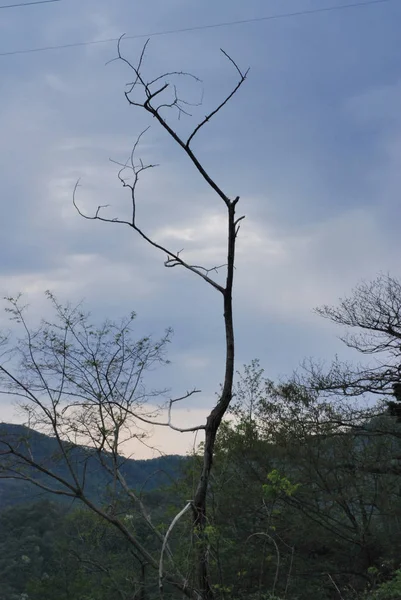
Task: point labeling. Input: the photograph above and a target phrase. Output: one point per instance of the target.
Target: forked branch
(167, 423)
(151, 94)
(173, 257)
(242, 77)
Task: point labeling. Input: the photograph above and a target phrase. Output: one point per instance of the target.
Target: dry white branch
(165, 541)
(167, 423)
(263, 533)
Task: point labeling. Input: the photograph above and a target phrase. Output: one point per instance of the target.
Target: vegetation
(291, 516)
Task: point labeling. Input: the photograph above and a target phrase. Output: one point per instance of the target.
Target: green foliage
(292, 516)
(47, 552)
(324, 497)
(28, 537)
(390, 590)
(278, 485)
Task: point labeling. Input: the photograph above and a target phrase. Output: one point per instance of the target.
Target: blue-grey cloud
(311, 143)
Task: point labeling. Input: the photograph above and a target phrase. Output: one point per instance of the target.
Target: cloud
(312, 144)
(301, 270)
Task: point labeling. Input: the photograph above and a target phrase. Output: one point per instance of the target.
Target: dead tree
(155, 96)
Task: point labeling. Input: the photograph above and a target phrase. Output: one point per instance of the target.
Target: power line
(27, 3)
(200, 27)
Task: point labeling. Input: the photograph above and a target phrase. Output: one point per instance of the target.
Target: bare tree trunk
(216, 415)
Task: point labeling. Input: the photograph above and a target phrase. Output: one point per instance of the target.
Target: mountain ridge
(144, 474)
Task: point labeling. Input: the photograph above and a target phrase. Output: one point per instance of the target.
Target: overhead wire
(276, 16)
(19, 4)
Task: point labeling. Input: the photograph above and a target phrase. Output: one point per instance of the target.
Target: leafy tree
(84, 384)
(305, 503)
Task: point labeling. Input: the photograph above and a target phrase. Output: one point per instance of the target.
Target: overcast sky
(311, 144)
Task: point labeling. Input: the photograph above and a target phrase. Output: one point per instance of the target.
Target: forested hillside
(140, 474)
(293, 514)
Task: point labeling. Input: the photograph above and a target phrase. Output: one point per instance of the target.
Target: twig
(335, 585)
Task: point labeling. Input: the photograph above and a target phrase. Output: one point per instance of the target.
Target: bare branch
(150, 95)
(168, 423)
(174, 258)
(223, 103)
(165, 542)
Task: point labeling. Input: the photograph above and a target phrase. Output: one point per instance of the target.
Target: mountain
(139, 474)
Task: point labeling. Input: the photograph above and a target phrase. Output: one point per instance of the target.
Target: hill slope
(147, 474)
